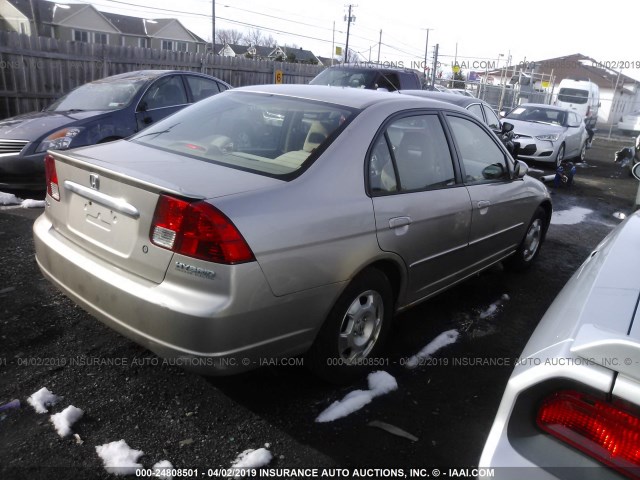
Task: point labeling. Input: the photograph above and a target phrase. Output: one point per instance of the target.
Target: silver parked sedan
(571, 408)
(270, 221)
(547, 133)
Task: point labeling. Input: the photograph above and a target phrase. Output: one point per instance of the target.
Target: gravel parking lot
(447, 403)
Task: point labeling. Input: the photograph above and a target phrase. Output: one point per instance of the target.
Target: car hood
(521, 127)
(34, 125)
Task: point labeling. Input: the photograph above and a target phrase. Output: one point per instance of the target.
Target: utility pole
(435, 63)
(333, 43)
(348, 18)
(379, 43)
(426, 49)
(213, 26)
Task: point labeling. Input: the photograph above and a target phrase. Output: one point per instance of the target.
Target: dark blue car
(102, 111)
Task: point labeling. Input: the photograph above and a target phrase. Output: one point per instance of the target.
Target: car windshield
(573, 95)
(266, 134)
(538, 115)
(101, 95)
(343, 77)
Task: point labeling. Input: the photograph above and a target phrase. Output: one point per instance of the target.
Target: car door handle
(483, 204)
(398, 222)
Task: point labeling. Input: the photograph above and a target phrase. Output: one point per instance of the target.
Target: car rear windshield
(273, 135)
(345, 77)
(573, 95)
(101, 95)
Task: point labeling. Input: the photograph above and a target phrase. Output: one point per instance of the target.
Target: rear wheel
(531, 243)
(353, 333)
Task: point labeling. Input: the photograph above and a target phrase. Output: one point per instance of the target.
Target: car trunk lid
(108, 196)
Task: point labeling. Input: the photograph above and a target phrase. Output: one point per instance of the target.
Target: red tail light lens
(53, 190)
(198, 230)
(600, 429)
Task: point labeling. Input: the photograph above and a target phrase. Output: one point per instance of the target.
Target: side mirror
(507, 127)
(520, 169)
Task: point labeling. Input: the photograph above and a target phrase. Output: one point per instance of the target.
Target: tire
(583, 153)
(354, 332)
(530, 246)
(560, 155)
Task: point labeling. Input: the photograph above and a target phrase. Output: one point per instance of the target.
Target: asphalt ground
(203, 423)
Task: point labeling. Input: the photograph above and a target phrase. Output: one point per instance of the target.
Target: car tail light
(604, 431)
(199, 230)
(53, 190)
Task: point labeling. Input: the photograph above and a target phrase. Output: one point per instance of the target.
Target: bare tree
(230, 36)
(254, 37)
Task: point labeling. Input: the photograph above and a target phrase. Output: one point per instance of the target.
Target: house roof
(300, 54)
(576, 66)
(52, 12)
(126, 24)
(581, 67)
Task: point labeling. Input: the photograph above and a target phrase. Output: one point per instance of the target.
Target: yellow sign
(545, 84)
(456, 69)
(279, 76)
(338, 50)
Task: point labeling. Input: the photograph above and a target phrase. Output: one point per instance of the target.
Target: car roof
(359, 98)
(460, 100)
(146, 75)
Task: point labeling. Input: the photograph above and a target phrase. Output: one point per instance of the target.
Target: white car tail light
(602, 430)
(53, 190)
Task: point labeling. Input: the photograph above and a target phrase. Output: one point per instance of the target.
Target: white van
(583, 96)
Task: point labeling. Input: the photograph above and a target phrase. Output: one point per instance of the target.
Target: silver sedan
(547, 133)
(272, 221)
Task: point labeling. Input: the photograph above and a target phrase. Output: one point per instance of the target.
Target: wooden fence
(35, 71)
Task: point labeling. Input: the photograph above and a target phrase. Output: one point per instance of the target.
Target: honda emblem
(94, 181)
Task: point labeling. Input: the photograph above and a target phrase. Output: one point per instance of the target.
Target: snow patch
(163, 465)
(253, 459)
(63, 420)
(9, 199)
(42, 399)
(118, 458)
(573, 216)
(442, 340)
(380, 383)
(30, 203)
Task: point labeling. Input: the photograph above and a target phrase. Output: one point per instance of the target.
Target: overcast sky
(483, 31)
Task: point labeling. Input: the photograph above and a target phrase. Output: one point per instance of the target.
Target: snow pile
(30, 203)
(9, 199)
(63, 420)
(253, 459)
(163, 465)
(573, 216)
(118, 458)
(442, 340)
(42, 399)
(493, 308)
(380, 383)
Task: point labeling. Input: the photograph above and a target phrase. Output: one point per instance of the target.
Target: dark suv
(369, 75)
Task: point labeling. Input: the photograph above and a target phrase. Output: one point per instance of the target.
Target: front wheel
(355, 329)
(531, 243)
(583, 152)
(560, 155)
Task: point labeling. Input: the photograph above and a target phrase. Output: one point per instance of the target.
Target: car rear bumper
(201, 330)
